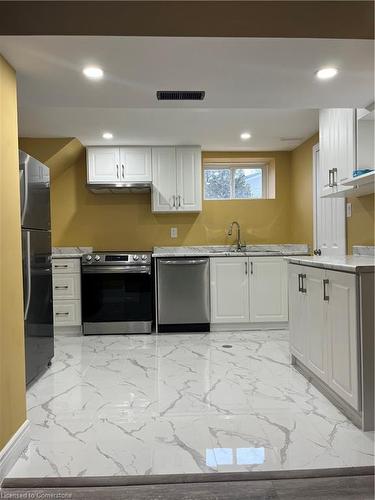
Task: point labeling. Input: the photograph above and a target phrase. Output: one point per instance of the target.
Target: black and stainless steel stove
(117, 295)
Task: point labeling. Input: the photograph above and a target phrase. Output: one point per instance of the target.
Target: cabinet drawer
(67, 313)
(66, 266)
(66, 286)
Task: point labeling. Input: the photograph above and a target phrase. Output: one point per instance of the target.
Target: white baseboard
(13, 449)
(74, 331)
(225, 327)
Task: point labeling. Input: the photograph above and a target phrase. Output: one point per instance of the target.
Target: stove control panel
(117, 259)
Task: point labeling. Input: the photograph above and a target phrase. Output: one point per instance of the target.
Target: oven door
(116, 299)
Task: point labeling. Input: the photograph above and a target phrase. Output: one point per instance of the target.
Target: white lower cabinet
(67, 313)
(268, 289)
(323, 327)
(297, 314)
(343, 349)
(247, 290)
(315, 322)
(229, 290)
(66, 282)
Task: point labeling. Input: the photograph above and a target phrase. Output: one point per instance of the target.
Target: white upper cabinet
(135, 164)
(163, 179)
(189, 179)
(176, 179)
(229, 290)
(106, 165)
(103, 165)
(337, 149)
(268, 289)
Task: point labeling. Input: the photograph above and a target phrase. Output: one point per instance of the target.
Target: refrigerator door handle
(28, 274)
(24, 179)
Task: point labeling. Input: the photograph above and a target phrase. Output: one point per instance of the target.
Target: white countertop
(230, 251)
(348, 263)
(70, 252)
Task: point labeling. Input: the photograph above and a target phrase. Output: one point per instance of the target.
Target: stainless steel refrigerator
(37, 264)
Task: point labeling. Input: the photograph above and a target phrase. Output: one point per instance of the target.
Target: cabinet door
(189, 179)
(345, 123)
(163, 179)
(229, 290)
(326, 139)
(337, 148)
(135, 164)
(268, 289)
(315, 322)
(343, 337)
(297, 311)
(103, 165)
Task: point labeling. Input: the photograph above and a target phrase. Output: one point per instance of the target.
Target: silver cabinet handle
(117, 172)
(251, 268)
(174, 201)
(303, 289)
(334, 176)
(123, 171)
(60, 266)
(325, 294)
(179, 201)
(65, 287)
(62, 314)
(299, 282)
(330, 178)
(245, 267)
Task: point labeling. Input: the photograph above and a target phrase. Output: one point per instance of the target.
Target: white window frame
(233, 167)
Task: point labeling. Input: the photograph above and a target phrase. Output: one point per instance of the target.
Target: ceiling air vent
(180, 95)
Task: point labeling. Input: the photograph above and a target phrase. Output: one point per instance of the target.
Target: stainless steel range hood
(120, 188)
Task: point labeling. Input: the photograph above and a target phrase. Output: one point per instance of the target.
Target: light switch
(348, 210)
(173, 232)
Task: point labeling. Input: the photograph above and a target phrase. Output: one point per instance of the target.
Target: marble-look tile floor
(115, 405)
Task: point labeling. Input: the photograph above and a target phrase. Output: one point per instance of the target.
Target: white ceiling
(264, 86)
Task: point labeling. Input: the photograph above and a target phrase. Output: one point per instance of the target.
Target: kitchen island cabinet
(332, 333)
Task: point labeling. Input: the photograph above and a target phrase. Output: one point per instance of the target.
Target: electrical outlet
(173, 232)
(348, 210)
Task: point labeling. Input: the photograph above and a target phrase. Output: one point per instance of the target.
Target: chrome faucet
(230, 232)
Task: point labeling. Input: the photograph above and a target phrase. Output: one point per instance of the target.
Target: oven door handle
(116, 270)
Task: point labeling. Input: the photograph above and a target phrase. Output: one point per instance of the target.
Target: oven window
(116, 297)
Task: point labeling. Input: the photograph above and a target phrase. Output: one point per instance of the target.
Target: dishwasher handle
(183, 262)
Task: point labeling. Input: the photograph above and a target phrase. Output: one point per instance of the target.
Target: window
(235, 182)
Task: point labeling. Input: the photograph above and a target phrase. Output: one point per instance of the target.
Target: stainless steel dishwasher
(183, 294)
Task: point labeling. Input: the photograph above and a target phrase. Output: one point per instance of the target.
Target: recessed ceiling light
(107, 135)
(326, 73)
(245, 136)
(93, 72)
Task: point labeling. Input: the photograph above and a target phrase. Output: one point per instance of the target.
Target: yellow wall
(301, 183)
(12, 359)
(360, 227)
(126, 222)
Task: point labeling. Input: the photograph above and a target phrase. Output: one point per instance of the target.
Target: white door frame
(315, 151)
